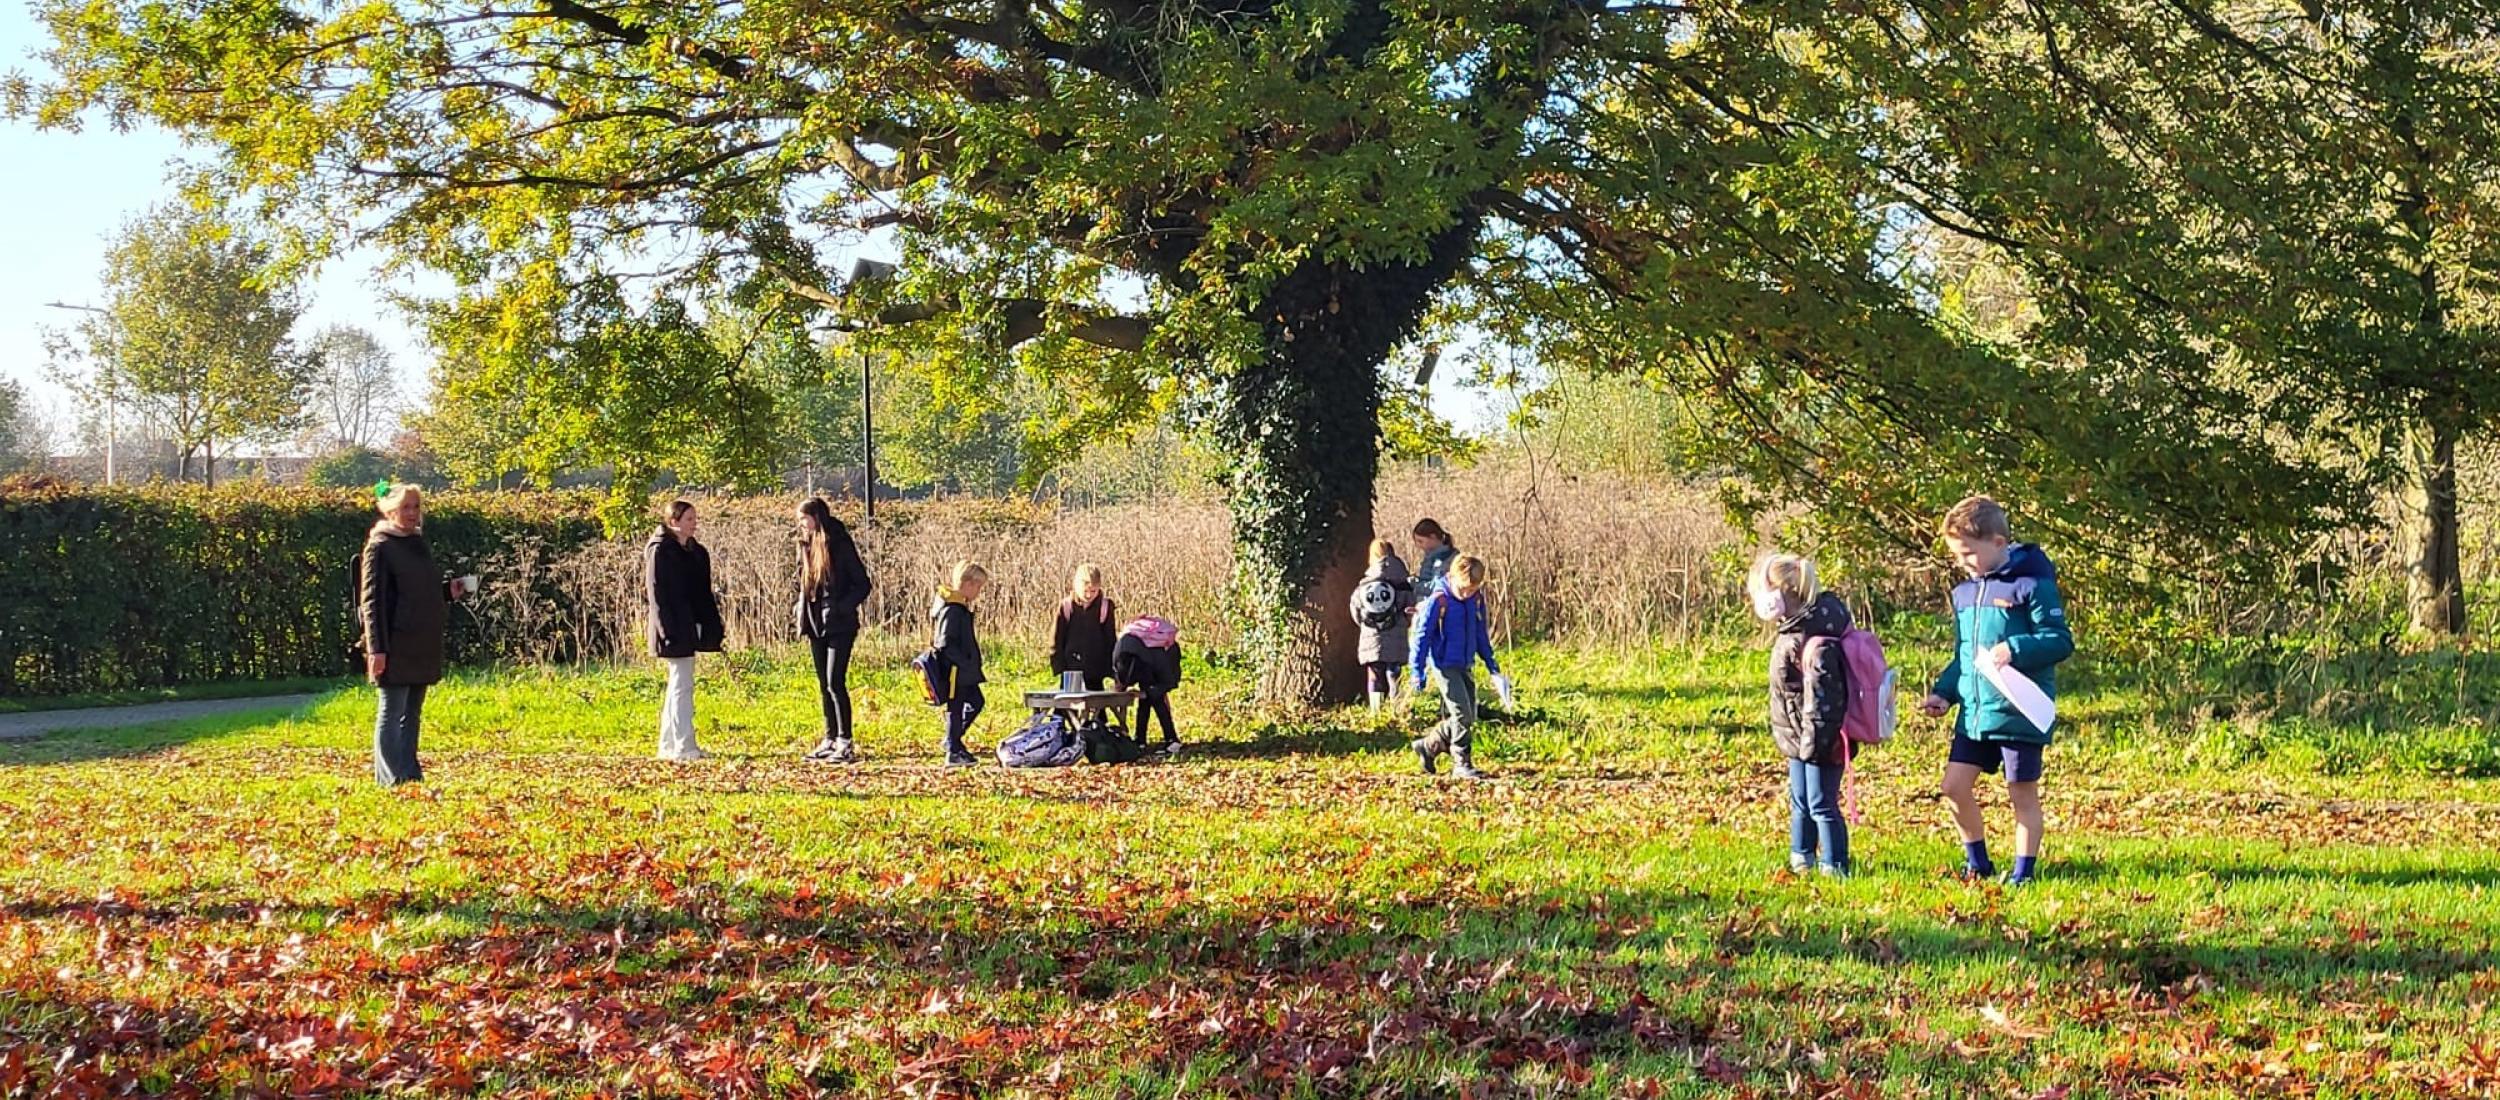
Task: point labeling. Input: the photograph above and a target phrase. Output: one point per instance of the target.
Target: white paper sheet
(2034, 704)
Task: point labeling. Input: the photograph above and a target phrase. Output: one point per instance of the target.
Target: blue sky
(62, 195)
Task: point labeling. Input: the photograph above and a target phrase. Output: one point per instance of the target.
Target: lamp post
(112, 397)
(866, 275)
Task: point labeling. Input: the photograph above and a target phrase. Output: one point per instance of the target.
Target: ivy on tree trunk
(1304, 420)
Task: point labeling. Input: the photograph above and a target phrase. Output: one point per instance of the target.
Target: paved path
(38, 723)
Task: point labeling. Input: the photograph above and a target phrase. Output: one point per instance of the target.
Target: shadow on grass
(77, 746)
(1323, 738)
(1330, 736)
(2094, 867)
(1316, 994)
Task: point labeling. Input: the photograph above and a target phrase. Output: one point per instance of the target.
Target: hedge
(107, 589)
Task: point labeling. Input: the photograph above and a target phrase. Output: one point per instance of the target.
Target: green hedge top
(105, 589)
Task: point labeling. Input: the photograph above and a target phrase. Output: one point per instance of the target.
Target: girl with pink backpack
(1809, 703)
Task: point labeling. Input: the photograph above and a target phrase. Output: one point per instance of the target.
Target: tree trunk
(209, 462)
(1303, 422)
(2434, 571)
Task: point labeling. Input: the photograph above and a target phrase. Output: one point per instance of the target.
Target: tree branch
(712, 57)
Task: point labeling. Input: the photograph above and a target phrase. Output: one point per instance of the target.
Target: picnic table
(1079, 706)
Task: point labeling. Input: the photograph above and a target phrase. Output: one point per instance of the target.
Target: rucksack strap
(1849, 782)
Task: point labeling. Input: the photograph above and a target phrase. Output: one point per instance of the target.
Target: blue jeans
(1814, 820)
(395, 734)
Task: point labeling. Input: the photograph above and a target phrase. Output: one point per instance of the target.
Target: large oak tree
(1240, 208)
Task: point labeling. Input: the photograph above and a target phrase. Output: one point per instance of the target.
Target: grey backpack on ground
(1048, 741)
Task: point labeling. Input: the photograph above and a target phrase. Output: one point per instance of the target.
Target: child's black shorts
(2020, 760)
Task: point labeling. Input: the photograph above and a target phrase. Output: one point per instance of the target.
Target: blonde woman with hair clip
(1086, 629)
(403, 603)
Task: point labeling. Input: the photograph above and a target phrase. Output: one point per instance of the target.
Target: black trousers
(961, 712)
(1157, 704)
(833, 681)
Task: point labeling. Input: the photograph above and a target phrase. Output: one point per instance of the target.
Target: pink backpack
(1873, 712)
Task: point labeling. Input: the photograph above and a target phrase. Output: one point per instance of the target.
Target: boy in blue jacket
(1450, 633)
(2008, 613)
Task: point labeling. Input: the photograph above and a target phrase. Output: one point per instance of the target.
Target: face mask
(1770, 605)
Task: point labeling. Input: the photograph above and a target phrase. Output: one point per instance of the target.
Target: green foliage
(1158, 206)
(116, 588)
(195, 333)
(571, 378)
(1613, 424)
(23, 438)
(936, 433)
(1410, 431)
(351, 468)
(1161, 463)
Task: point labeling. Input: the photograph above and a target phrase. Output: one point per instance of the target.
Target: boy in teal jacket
(2008, 613)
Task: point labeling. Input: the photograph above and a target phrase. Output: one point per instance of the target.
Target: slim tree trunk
(2434, 569)
(1303, 422)
(209, 463)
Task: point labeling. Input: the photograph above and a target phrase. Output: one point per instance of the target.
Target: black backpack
(1109, 744)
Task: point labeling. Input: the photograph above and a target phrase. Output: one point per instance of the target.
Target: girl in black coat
(1087, 627)
(1809, 699)
(959, 653)
(833, 582)
(403, 603)
(685, 620)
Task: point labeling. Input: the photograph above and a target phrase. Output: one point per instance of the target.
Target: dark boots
(1428, 750)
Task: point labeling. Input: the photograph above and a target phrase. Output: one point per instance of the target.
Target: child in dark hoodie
(2009, 614)
(1383, 605)
(1148, 661)
(1809, 697)
(959, 650)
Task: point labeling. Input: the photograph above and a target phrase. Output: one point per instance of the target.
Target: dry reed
(1577, 558)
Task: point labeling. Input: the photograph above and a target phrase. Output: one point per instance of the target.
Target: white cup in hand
(468, 585)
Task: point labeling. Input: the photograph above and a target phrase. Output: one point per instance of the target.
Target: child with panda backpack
(1383, 606)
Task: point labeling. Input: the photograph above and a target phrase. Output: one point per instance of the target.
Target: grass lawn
(230, 905)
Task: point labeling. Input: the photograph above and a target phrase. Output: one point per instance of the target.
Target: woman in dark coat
(833, 582)
(403, 603)
(685, 620)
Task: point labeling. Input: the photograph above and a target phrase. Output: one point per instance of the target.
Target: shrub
(115, 588)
